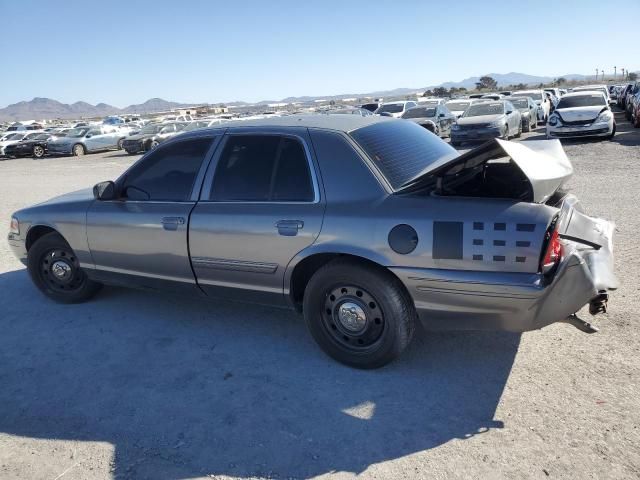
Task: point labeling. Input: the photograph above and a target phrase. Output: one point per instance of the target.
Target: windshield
(457, 106)
(420, 112)
(521, 102)
(590, 100)
(479, 109)
(76, 132)
(537, 96)
(41, 136)
(430, 102)
(12, 136)
(391, 108)
(151, 129)
(402, 151)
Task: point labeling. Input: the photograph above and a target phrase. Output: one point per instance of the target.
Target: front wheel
(55, 269)
(613, 133)
(360, 315)
(153, 144)
(519, 134)
(505, 133)
(120, 143)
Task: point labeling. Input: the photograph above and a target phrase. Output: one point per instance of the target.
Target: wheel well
(37, 232)
(304, 270)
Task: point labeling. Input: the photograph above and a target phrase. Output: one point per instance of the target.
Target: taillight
(553, 253)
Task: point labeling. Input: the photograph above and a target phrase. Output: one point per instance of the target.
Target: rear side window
(262, 168)
(167, 174)
(402, 150)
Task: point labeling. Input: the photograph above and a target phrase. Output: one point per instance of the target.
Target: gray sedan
(437, 118)
(365, 224)
(80, 141)
(487, 120)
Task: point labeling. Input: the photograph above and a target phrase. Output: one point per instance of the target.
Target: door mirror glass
(509, 112)
(104, 190)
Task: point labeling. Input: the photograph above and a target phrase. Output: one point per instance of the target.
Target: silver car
(486, 120)
(83, 140)
(365, 224)
(435, 118)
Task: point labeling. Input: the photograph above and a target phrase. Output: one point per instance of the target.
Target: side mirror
(441, 115)
(509, 112)
(88, 136)
(104, 190)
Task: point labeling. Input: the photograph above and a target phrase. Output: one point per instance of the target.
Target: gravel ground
(139, 385)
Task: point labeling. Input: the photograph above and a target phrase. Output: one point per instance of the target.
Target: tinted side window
(262, 168)
(168, 173)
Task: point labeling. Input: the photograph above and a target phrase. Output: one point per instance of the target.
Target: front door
(141, 237)
(260, 206)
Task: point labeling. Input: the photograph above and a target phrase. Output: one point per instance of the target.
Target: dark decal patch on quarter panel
(447, 240)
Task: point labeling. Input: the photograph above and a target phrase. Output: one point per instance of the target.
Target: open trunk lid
(543, 164)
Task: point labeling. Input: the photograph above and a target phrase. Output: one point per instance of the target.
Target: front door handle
(171, 223)
(289, 228)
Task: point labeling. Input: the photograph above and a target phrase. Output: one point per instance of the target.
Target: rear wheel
(54, 268)
(38, 151)
(505, 133)
(359, 315)
(79, 150)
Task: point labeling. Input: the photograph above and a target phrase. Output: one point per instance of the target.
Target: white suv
(395, 109)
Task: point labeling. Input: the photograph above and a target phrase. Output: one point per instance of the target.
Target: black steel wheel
(55, 270)
(359, 314)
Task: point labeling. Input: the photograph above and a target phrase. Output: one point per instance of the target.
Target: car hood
(543, 162)
(580, 113)
(71, 197)
(422, 119)
(480, 119)
(141, 136)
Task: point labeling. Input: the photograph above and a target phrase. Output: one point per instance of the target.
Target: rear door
(141, 237)
(260, 205)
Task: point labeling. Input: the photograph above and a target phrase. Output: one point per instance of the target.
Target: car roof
(397, 102)
(339, 122)
(535, 90)
(582, 93)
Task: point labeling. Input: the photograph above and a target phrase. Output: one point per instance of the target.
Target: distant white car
(590, 88)
(542, 101)
(430, 101)
(582, 114)
(177, 118)
(395, 109)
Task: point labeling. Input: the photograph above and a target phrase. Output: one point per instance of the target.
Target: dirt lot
(138, 385)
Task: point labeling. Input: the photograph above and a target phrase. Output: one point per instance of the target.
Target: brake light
(553, 253)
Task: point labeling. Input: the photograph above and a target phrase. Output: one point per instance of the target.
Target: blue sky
(123, 52)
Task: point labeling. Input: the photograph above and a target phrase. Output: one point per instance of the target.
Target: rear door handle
(289, 228)
(171, 223)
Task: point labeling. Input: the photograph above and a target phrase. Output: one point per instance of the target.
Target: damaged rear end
(575, 251)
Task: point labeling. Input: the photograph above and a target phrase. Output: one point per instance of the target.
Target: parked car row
(628, 99)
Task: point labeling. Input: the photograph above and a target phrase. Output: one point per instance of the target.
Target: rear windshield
(489, 108)
(402, 150)
(391, 108)
(420, 112)
(591, 100)
(457, 106)
(537, 96)
(521, 102)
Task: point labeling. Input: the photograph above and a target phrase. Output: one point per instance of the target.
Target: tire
(534, 125)
(120, 143)
(38, 151)
(505, 134)
(527, 127)
(152, 144)
(78, 150)
(613, 133)
(519, 134)
(358, 314)
(55, 270)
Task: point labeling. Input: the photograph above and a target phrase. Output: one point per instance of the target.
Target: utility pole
(614, 73)
(596, 74)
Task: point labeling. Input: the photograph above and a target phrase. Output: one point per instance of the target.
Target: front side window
(167, 174)
(262, 168)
